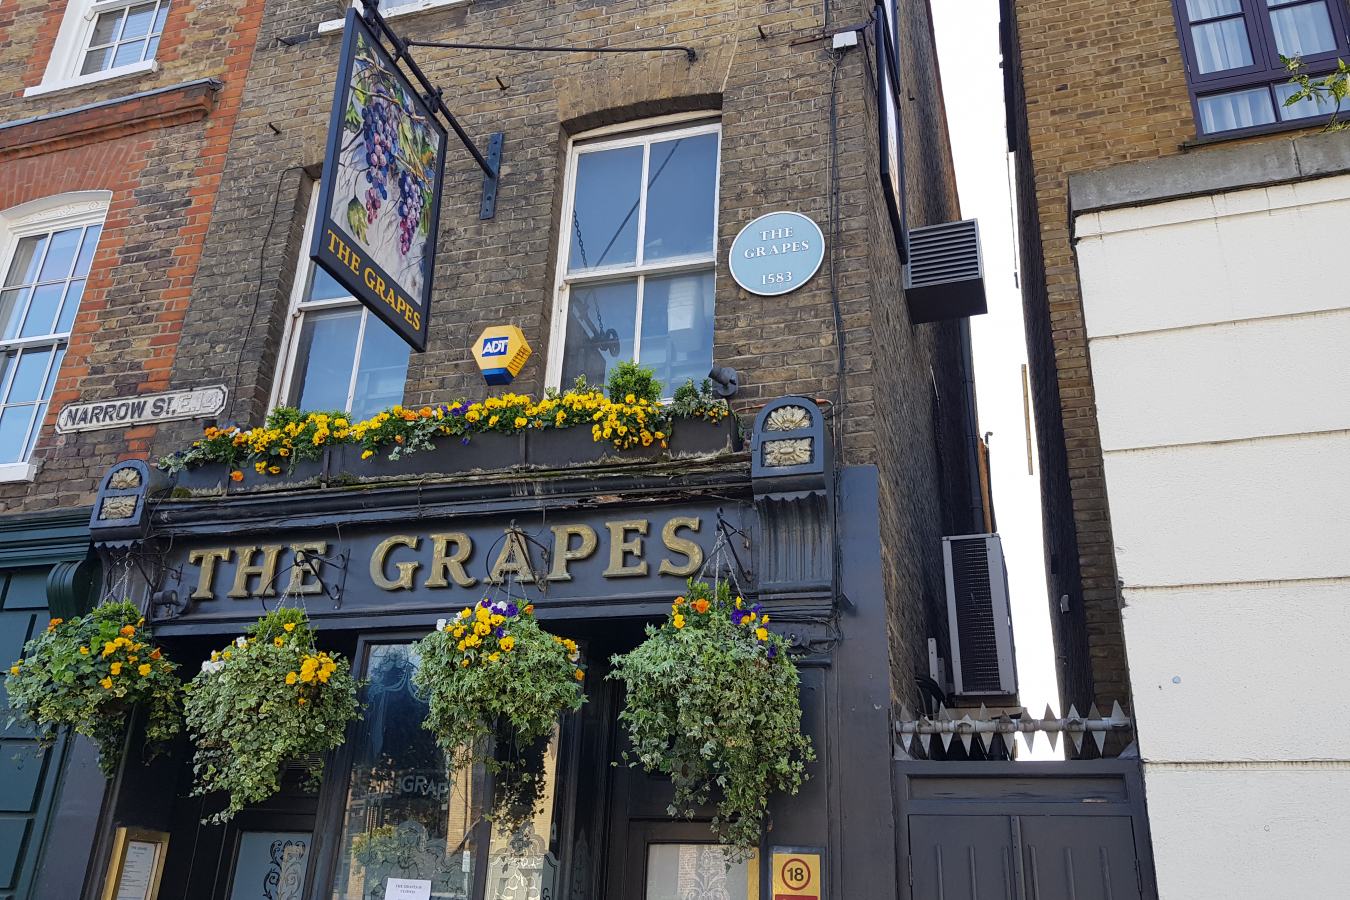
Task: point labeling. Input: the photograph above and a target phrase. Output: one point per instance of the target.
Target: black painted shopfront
(601, 549)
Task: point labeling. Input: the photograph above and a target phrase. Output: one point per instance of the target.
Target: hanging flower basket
(493, 672)
(88, 673)
(712, 700)
(266, 699)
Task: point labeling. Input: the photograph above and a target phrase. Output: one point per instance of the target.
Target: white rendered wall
(1219, 339)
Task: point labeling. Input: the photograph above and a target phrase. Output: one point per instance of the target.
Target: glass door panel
(408, 815)
(521, 865)
(696, 872)
(270, 865)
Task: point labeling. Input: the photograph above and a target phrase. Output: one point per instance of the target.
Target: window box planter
(556, 448)
(483, 452)
(215, 477)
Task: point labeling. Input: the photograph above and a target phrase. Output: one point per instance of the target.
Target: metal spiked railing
(946, 727)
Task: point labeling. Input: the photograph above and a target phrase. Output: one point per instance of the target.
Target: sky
(972, 87)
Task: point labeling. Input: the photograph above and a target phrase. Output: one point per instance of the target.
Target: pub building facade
(624, 180)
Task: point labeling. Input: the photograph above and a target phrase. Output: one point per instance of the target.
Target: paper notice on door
(137, 871)
(407, 889)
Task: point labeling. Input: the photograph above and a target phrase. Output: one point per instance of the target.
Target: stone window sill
(25, 471)
(80, 81)
(407, 9)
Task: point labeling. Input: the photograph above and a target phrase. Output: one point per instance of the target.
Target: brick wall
(773, 99)
(160, 153)
(1091, 86)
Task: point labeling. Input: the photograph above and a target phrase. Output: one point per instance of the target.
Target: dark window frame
(1266, 70)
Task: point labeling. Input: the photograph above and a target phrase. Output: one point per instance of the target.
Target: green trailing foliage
(628, 378)
(492, 672)
(1329, 92)
(712, 702)
(267, 698)
(88, 674)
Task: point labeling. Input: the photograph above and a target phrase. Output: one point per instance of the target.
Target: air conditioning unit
(979, 617)
(945, 275)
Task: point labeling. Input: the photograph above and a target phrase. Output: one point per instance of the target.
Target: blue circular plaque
(777, 253)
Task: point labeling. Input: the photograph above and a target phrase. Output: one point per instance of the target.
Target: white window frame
(75, 209)
(593, 141)
(393, 12)
(72, 40)
(281, 386)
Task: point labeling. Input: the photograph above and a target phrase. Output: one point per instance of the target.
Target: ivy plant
(269, 697)
(492, 672)
(712, 702)
(88, 673)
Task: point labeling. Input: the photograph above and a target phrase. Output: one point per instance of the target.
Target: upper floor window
(337, 355)
(1233, 50)
(638, 255)
(101, 39)
(124, 35)
(47, 256)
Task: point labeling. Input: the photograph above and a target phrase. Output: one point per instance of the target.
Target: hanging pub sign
(380, 196)
(889, 128)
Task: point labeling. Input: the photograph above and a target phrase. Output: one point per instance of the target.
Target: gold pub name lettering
(449, 553)
(349, 258)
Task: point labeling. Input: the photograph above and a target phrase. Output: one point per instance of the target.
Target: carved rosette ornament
(787, 418)
(790, 452)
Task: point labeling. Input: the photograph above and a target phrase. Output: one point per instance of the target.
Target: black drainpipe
(972, 430)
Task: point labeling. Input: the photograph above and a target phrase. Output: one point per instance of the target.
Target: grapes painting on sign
(381, 187)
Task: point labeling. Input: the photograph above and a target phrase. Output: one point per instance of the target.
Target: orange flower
(700, 605)
(155, 654)
(236, 476)
(529, 607)
(679, 601)
(580, 675)
(127, 630)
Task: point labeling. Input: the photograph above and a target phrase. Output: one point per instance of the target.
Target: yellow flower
(275, 470)
(482, 614)
(84, 651)
(679, 620)
(494, 657)
(520, 421)
(289, 626)
(570, 644)
(368, 454)
(107, 684)
(497, 619)
(762, 633)
(630, 399)
(14, 669)
(116, 668)
(579, 675)
(226, 654)
(765, 620)
(144, 669)
(508, 642)
(463, 662)
(460, 646)
(277, 641)
(302, 701)
(493, 421)
(290, 678)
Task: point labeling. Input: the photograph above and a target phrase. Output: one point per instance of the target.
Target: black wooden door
(1023, 857)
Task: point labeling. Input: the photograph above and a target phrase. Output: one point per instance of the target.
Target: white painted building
(1216, 300)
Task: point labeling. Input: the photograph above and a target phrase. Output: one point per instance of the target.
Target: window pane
(12, 305)
(39, 414)
(61, 254)
(14, 423)
(159, 18)
(605, 214)
(270, 864)
(682, 871)
(325, 287)
(87, 249)
(139, 20)
(128, 54)
(29, 376)
(407, 815)
(52, 372)
(70, 306)
(27, 257)
(1313, 106)
(383, 371)
(1221, 45)
(677, 328)
(1198, 10)
(1240, 109)
(151, 47)
(519, 864)
(106, 28)
(324, 358)
(681, 186)
(1302, 30)
(96, 61)
(601, 325)
(42, 309)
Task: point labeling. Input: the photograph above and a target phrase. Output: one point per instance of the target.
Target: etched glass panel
(270, 865)
(520, 863)
(695, 872)
(408, 815)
